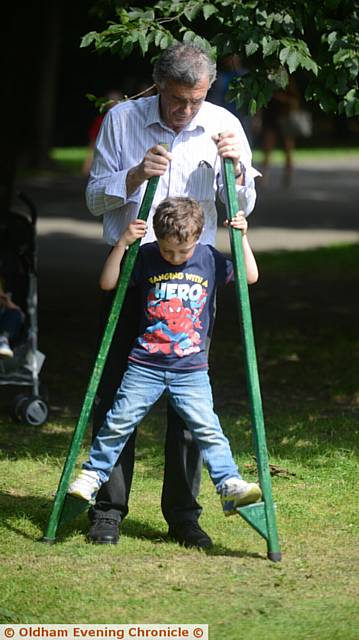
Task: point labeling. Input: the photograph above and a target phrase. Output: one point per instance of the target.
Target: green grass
(309, 154)
(305, 321)
(71, 158)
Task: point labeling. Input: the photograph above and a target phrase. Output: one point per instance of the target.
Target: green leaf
(293, 60)
(342, 55)
(279, 77)
(261, 17)
(164, 42)
(351, 103)
(310, 65)
(251, 48)
(192, 10)
(202, 43)
(149, 15)
(253, 107)
(88, 39)
(189, 37)
(142, 41)
(209, 10)
(158, 37)
(332, 38)
(135, 14)
(287, 35)
(269, 46)
(262, 100)
(284, 54)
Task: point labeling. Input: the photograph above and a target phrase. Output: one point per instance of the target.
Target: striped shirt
(128, 131)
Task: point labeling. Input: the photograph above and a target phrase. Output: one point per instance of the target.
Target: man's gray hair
(185, 64)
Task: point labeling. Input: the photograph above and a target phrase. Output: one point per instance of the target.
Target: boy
(178, 279)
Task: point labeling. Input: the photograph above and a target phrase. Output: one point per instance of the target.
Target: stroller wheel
(32, 410)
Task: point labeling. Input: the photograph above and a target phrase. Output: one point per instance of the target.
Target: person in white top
(129, 150)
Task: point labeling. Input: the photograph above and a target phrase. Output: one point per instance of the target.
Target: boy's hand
(238, 222)
(135, 230)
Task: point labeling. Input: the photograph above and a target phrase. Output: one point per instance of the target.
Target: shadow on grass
(37, 511)
(298, 436)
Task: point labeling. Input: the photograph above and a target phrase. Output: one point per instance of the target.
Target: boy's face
(175, 252)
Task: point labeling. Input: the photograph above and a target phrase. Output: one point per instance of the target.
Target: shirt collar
(154, 116)
(153, 113)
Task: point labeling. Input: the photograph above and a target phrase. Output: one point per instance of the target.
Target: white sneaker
(86, 485)
(237, 493)
(5, 349)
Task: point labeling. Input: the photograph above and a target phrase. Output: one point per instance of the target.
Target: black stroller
(18, 268)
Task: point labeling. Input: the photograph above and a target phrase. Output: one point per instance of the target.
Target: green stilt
(260, 516)
(66, 507)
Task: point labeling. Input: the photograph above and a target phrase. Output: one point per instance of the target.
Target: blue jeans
(190, 395)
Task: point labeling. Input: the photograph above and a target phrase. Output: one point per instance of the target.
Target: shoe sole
(102, 540)
(249, 497)
(189, 544)
(78, 495)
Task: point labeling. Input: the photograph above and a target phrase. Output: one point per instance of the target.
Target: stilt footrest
(72, 508)
(255, 515)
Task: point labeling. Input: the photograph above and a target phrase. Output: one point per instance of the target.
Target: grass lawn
(305, 312)
(71, 158)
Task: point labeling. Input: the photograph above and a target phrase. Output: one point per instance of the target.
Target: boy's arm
(240, 222)
(111, 269)
(250, 261)
(5, 300)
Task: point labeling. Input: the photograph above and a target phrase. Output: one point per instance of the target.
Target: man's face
(174, 252)
(179, 103)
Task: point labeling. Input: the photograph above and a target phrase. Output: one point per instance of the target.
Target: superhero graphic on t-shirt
(174, 313)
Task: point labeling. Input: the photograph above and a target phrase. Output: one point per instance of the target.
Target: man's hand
(155, 163)
(229, 146)
(238, 222)
(135, 230)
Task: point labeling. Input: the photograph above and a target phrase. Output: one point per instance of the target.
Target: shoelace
(106, 521)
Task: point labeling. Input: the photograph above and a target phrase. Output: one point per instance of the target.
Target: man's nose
(187, 108)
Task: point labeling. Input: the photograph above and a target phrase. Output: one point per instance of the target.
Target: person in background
(11, 322)
(277, 131)
(229, 68)
(113, 98)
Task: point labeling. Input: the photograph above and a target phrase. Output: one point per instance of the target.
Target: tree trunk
(29, 66)
(44, 115)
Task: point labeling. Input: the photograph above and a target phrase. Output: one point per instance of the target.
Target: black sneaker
(104, 531)
(189, 534)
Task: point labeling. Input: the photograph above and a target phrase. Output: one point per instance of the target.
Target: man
(128, 152)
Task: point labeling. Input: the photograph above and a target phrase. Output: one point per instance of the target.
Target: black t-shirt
(177, 303)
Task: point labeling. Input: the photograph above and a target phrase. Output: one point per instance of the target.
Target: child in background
(178, 278)
(113, 97)
(11, 321)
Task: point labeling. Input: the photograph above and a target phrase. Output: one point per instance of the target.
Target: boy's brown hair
(180, 218)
